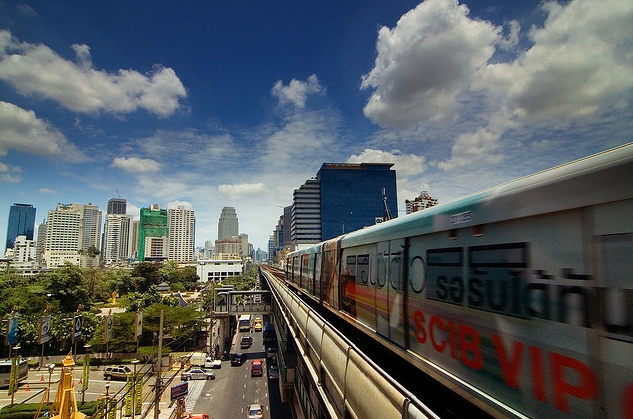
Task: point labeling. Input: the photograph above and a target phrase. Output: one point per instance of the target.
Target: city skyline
(224, 104)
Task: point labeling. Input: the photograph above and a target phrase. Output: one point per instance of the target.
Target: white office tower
(117, 240)
(73, 233)
(181, 223)
(228, 225)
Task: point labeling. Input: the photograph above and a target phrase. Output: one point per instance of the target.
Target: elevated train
(518, 298)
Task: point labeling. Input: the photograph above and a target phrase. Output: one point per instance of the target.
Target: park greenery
(68, 291)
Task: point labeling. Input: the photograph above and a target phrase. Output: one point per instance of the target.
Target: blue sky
(236, 103)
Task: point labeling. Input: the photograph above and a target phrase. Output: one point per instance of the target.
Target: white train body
(519, 297)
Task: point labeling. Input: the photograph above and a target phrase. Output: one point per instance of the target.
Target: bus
(244, 323)
(5, 371)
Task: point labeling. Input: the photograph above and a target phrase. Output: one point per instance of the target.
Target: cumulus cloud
(36, 70)
(135, 164)
(406, 165)
(296, 92)
(21, 130)
(438, 65)
(480, 146)
(241, 189)
(580, 57)
(425, 62)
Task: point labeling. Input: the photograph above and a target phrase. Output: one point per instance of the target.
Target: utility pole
(158, 390)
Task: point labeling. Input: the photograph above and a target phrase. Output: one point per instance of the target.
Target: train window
(417, 274)
(497, 276)
(444, 273)
(614, 267)
(363, 268)
(350, 267)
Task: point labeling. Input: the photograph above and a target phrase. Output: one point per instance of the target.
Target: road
(229, 395)
(226, 397)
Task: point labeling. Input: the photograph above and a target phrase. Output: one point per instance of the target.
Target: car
(273, 372)
(119, 372)
(246, 342)
(238, 359)
(197, 374)
(255, 411)
(258, 326)
(213, 363)
(270, 352)
(257, 369)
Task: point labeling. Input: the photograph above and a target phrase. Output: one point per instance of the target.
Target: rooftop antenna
(117, 192)
(387, 213)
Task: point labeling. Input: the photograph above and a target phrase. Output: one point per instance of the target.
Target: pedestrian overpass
(235, 303)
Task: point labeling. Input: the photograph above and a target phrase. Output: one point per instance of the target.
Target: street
(228, 396)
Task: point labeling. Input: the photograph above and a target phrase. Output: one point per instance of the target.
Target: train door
(317, 274)
(331, 267)
(389, 291)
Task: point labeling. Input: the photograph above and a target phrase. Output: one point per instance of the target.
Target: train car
(519, 297)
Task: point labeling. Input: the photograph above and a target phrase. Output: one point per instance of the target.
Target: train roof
(600, 178)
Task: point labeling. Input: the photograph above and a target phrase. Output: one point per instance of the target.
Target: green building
(153, 234)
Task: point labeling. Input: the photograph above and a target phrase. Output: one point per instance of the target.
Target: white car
(213, 363)
(197, 374)
(255, 411)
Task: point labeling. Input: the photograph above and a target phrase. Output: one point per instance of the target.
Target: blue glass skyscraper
(352, 196)
(21, 223)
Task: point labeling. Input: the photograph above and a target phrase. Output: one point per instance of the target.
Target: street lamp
(86, 373)
(16, 348)
(134, 383)
(107, 400)
(51, 367)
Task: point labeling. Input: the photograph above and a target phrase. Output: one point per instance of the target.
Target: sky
(237, 103)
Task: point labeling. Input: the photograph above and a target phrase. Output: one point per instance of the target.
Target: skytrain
(518, 298)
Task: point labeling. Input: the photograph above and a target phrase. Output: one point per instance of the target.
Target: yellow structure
(65, 405)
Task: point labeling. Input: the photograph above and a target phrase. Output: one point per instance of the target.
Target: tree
(146, 274)
(66, 284)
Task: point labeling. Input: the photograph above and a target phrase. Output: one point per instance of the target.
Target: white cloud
(480, 147)
(241, 190)
(437, 66)
(581, 56)
(135, 164)
(21, 130)
(406, 165)
(297, 91)
(36, 70)
(306, 136)
(425, 62)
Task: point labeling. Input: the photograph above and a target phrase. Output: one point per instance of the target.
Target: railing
(348, 382)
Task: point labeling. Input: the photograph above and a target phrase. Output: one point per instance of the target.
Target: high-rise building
(354, 196)
(305, 218)
(73, 232)
(117, 238)
(153, 235)
(117, 206)
(423, 201)
(343, 197)
(21, 223)
(41, 241)
(228, 225)
(181, 224)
